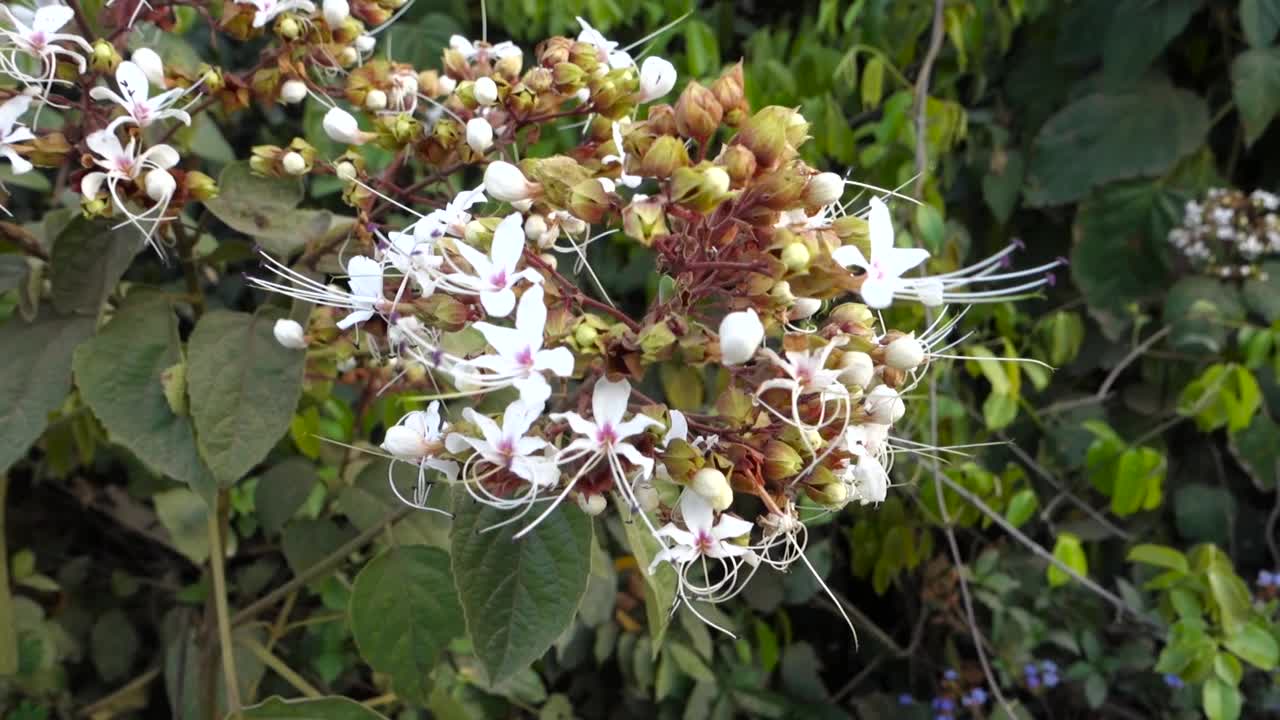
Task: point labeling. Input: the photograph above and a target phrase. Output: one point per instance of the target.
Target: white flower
(605, 433)
(289, 333)
(267, 10)
(740, 335)
(447, 85)
(159, 185)
(887, 263)
(883, 405)
(134, 90)
(857, 368)
(364, 299)
(293, 91)
(904, 353)
(470, 51)
(341, 126)
(494, 275)
(486, 91)
(151, 64)
(403, 92)
(608, 49)
(418, 438)
(631, 181)
(35, 33)
(657, 78)
(13, 132)
(519, 359)
(335, 12)
(803, 308)
(365, 44)
(866, 479)
(507, 446)
(823, 189)
(713, 486)
(703, 535)
(504, 181)
(479, 134)
(806, 370)
(125, 164)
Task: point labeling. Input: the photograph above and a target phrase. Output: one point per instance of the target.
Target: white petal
(577, 423)
(364, 275)
(508, 242)
(731, 527)
(899, 260)
(132, 81)
(877, 294)
(498, 304)
(519, 417)
(558, 360)
(850, 256)
(90, 184)
(11, 110)
(51, 18)
(534, 388)
(20, 164)
(881, 228)
(609, 401)
(531, 316)
(635, 425)
(357, 316)
(696, 512)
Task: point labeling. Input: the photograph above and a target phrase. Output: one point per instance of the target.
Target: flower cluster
(773, 273)
(954, 697)
(1229, 232)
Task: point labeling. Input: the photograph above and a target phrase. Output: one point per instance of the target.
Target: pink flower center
(524, 358)
(37, 40)
(498, 280)
(704, 542)
(606, 434)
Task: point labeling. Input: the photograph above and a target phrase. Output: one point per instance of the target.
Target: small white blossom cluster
(1228, 232)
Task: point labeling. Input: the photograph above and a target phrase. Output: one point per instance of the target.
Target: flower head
(268, 10)
(493, 276)
(887, 263)
(140, 109)
(703, 534)
(519, 359)
(13, 132)
(508, 446)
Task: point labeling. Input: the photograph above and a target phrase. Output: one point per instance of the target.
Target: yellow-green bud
(664, 155)
(795, 256)
(698, 113)
(585, 335)
(588, 201)
(200, 186)
(289, 28)
(642, 220)
(739, 162)
(781, 461)
(713, 486)
(105, 58)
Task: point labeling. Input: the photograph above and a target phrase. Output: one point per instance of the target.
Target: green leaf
(1260, 20)
(1000, 186)
(404, 612)
(871, 89)
(87, 261)
(266, 209)
(1067, 549)
(1262, 296)
(1220, 700)
(37, 377)
(281, 491)
(689, 662)
(1021, 507)
(998, 410)
(119, 376)
(307, 541)
(326, 708)
(1257, 449)
(1255, 645)
(1202, 312)
(1139, 481)
(1103, 137)
(1159, 556)
(1138, 31)
(1062, 334)
(244, 387)
(113, 645)
(660, 585)
(1255, 85)
(518, 596)
(701, 47)
(1204, 513)
(186, 516)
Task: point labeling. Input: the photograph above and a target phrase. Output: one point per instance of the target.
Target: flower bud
(782, 188)
(765, 135)
(365, 44)
(740, 335)
(730, 92)
(585, 335)
(375, 100)
(698, 113)
(486, 91)
(883, 405)
(105, 58)
(853, 315)
(642, 220)
(341, 126)
(211, 78)
(739, 162)
(349, 56)
(293, 92)
(504, 181)
(662, 158)
(657, 78)
(823, 189)
(289, 333)
(712, 485)
(589, 201)
(447, 85)
(200, 186)
(294, 164)
(592, 505)
(535, 228)
(289, 28)
(856, 368)
(781, 461)
(479, 134)
(336, 12)
(152, 67)
(804, 308)
(830, 495)
(160, 185)
(795, 256)
(905, 353)
(345, 171)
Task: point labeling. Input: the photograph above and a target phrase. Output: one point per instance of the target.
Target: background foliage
(1145, 465)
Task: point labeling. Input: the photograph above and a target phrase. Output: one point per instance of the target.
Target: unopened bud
(289, 333)
(647, 497)
(486, 91)
(535, 228)
(446, 85)
(293, 91)
(713, 486)
(795, 256)
(375, 100)
(781, 461)
(289, 28)
(341, 126)
(804, 308)
(403, 442)
(479, 134)
(592, 505)
(160, 185)
(739, 162)
(365, 44)
(856, 368)
(200, 186)
(589, 200)
(585, 335)
(104, 58)
(662, 158)
(740, 335)
(336, 12)
(905, 353)
(883, 405)
(823, 189)
(349, 56)
(504, 181)
(831, 495)
(345, 170)
(294, 164)
(731, 94)
(698, 113)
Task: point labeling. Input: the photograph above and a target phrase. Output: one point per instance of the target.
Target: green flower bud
(588, 201)
(200, 186)
(781, 461)
(796, 257)
(698, 113)
(662, 158)
(739, 162)
(643, 220)
(104, 58)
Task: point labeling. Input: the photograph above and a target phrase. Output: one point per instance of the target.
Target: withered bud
(662, 120)
(553, 51)
(782, 188)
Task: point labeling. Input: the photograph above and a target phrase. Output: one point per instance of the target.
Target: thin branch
(279, 666)
(922, 95)
(216, 554)
(1128, 360)
(134, 685)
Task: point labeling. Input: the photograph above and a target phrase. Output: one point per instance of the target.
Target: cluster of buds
(1228, 232)
(752, 243)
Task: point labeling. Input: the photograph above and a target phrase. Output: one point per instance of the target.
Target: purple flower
(1033, 682)
(1173, 681)
(906, 699)
(1049, 666)
(950, 675)
(1050, 679)
(1266, 579)
(1030, 670)
(944, 704)
(979, 696)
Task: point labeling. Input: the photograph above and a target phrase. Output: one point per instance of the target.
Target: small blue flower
(1049, 666)
(944, 704)
(979, 696)
(1050, 679)
(941, 716)
(1173, 681)
(950, 675)
(1030, 670)
(1266, 579)
(906, 699)
(1033, 681)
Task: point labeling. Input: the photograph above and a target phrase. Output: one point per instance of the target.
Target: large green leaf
(281, 491)
(266, 209)
(659, 585)
(1137, 32)
(369, 500)
(1260, 20)
(1202, 311)
(119, 376)
(1103, 137)
(36, 378)
(518, 595)
(404, 612)
(1220, 700)
(1255, 644)
(1255, 83)
(325, 708)
(1262, 294)
(1257, 448)
(86, 263)
(244, 387)
(1204, 513)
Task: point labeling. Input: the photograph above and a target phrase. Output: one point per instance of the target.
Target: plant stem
(216, 553)
(190, 270)
(280, 667)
